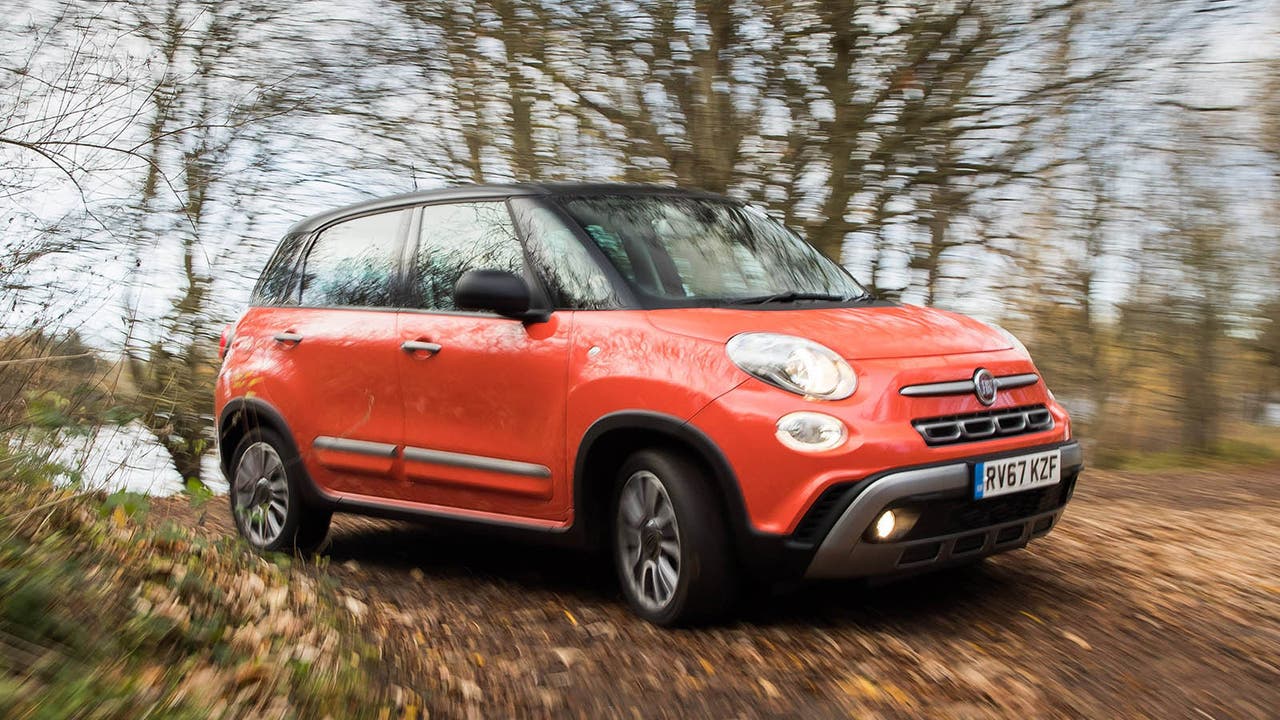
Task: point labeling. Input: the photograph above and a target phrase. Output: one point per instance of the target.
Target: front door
(483, 395)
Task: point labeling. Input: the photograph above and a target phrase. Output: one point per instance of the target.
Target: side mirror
(498, 291)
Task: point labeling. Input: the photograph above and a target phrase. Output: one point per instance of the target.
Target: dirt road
(1158, 596)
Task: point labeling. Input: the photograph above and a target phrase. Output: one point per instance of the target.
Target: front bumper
(954, 528)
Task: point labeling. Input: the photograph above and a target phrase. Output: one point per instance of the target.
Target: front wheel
(670, 545)
(265, 498)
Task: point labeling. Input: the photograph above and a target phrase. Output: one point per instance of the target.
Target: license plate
(1009, 475)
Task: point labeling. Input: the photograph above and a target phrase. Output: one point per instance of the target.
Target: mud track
(1158, 596)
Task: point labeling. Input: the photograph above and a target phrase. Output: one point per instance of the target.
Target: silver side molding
(476, 462)
(965, 387)
(359, 447)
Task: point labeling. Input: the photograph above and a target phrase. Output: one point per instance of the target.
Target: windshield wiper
(790, 296)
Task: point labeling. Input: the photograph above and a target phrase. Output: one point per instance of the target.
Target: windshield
(683, 250)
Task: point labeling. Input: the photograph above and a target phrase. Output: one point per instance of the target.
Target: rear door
(335, 354)
(484, 395)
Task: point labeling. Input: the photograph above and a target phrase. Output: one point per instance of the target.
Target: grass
(105, 616)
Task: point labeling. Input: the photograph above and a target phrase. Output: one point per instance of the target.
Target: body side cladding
(265, 415)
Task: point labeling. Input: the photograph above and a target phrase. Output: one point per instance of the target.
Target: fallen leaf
(859, 687)
(569, 656)
(356, 607)
(1076, 639)
(252, 673)
(470, 691)
(770, 689)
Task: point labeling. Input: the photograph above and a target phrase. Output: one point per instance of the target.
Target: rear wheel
(670, 546)
(266, 501)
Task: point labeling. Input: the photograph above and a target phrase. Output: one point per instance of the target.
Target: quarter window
(458, 237)
(574, 280)
(279, 283)
(353, 264)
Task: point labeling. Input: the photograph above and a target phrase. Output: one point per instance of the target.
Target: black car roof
(482, 192)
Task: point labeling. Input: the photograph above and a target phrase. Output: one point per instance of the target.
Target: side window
(278, 284)
(574, 280)
(458, 237)
(354, 263)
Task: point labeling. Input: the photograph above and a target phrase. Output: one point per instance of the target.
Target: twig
(46, 358)
(51, 503)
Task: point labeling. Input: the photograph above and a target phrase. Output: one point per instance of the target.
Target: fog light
(893, 525)
(885, 524)
(811, 431)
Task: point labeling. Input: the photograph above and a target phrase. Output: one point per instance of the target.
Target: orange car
(667, 374)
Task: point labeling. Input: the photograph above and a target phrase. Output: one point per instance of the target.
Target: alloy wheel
(261, 494)
(648, 540)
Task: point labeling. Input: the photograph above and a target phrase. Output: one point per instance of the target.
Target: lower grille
(821, 513)
(1015, 506)
(984, 425)
(957, 515)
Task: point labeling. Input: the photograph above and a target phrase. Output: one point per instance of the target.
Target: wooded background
(1100, 176)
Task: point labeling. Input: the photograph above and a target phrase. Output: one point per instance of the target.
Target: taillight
(224, 343)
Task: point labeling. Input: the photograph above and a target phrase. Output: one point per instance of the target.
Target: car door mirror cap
(497, 291)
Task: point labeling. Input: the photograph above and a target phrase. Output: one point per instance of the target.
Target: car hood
(866, 332)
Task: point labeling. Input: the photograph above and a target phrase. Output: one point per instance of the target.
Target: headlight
(1013, 340)
(794, 364)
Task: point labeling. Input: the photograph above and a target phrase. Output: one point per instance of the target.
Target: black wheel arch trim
(722, 473)
(312, 494)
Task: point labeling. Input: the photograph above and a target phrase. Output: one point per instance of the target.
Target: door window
(458, 237)
(353, 263)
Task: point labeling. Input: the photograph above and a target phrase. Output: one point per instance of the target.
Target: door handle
(412, 346)
(288, 338)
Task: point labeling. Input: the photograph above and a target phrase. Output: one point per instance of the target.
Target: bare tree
(201, 114)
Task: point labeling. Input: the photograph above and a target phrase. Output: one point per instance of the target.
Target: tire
(670, 545)
(266, 497)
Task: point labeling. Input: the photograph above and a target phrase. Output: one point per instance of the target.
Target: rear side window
(354, 263)
(278, 284)
(458, 237)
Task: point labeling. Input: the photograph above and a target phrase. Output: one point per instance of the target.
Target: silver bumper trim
(842, 553)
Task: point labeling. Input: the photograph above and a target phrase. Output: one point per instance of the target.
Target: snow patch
(126, 457)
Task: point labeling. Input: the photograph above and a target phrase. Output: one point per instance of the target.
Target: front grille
(952, 429)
